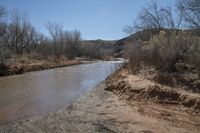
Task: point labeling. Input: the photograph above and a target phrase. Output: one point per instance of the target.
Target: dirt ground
(103, 111)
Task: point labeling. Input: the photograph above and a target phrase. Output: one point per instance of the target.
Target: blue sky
(96, 19)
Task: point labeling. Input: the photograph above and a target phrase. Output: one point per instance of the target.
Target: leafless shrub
(140, 54)
(4, 54)
(92, 51)
(45, 49)
(193, 54)
(72, 40)
(134, 52)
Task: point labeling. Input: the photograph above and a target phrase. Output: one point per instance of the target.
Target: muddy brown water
(41, 92)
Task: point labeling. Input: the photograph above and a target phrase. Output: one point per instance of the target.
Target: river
(37, 93)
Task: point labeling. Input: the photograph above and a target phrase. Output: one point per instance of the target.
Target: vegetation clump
(171, 48)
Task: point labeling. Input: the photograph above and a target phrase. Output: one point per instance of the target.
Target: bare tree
(57, 35)
(44, 47)
(36, 39)
(155, 17)
(191, 12)
(72, 43)
(151, 16)
(4, 52)
(65, 42)
(2, 22)
(20, 34)
(129, 29)
(172, 22)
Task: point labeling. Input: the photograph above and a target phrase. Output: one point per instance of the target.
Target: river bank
(164, 89)
(20, 67)
(23, 65)
(103, 111)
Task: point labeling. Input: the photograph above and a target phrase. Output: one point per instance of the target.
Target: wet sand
(103, 111)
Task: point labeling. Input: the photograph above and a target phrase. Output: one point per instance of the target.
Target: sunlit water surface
(41, 92)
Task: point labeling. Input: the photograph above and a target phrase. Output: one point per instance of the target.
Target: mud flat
(103, 111)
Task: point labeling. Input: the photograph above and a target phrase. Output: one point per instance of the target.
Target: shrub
(194, 53)
(134, 53)
(92, 51)
(168, 50)
(163, 52)
(4, 55)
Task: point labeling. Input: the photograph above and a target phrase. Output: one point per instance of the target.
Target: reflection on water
(37, 93)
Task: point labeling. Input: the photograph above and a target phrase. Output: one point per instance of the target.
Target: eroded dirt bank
(144, 88)
(103, 111)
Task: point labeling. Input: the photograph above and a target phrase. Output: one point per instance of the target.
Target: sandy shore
(103, 111)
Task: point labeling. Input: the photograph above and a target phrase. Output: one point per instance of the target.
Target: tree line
(18, 36)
